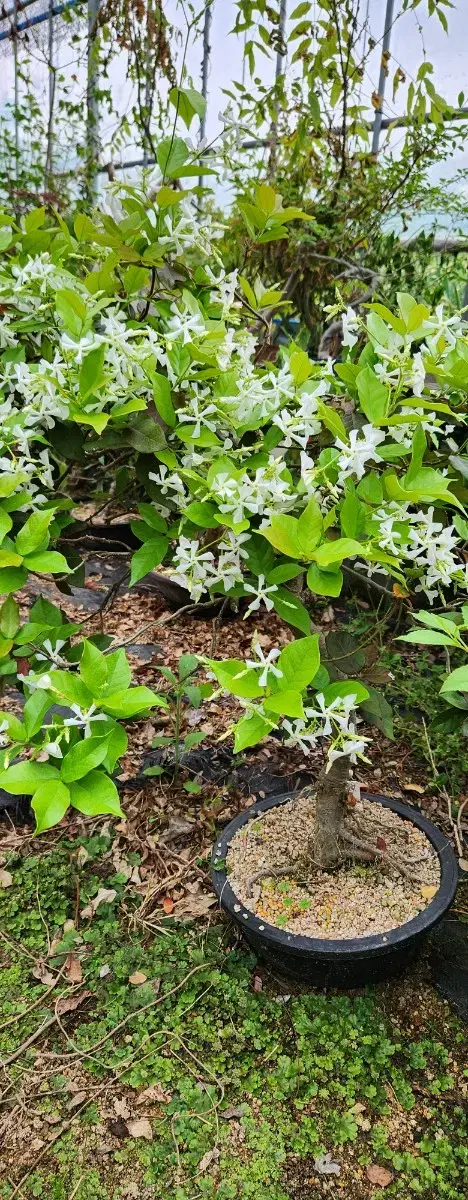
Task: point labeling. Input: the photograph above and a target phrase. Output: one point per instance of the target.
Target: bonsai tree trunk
(330, 807)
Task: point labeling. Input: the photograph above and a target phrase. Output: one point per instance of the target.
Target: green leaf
(373, 395)
(233, 676)
(287, 702)
(291, 609)
(34, 532)
(148, 557)
(5, 523)
(203, 513)
(96, 794)
(299, 662)
(71, 689)
(48, 562)
(91, 376)
(131, 702)
(50, 803)
(8, 558)
(352, 515)
(145, 435)
(83, 757)
(332, 420)
(457, 681)
(188, 663)
(300, 366)
(370, 488)
(24, 778)
(250, 730)
(9, 618)
(152, 518)
(343, 688)
(282, 534)
(119, 675)
(72, 310)
(162, 399)
(324, 583)
(377, 711)
(12, 579)
(93, 668)
(188, 104)
(426, 637)
(335, 551)
(117, 743)
(309, 528)
(35, 709)
(171, 154)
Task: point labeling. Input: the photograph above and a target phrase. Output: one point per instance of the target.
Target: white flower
(299, 735)
(418, 375)
(54, 749)
(185, 325)
(266, 665)
(350, 328)
(349, 749)
(34, 682)
(193, 566)
(362, 449)
(84, 718)
(261, 593)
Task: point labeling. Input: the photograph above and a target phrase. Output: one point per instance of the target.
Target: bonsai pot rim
(331, 949)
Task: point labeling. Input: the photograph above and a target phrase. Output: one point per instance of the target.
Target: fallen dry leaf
(70, 1003)
(463, 864)
(379, 1175)
(428, 890)
(195, 906)
(210, 1157)
(72, 969)
(137, 977)
(104, 970)
(381, 843)
(41, 972)
(140, 1128)
(6, 879)
(325, 1165)
(414, 787)
(168, 904)
(121, 1108)
(104, 896)
(257, 983)
(154, 1095)
(76, 1100)
(232, 1114)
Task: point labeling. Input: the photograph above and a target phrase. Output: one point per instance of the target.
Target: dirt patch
(354, 901)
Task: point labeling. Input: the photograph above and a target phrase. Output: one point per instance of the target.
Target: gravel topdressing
(354, 901)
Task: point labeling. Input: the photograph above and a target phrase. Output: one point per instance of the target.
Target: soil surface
(354, 901)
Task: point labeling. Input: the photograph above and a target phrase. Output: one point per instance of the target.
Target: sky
(409, 33)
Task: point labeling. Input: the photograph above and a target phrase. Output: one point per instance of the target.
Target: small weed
(300, 1072)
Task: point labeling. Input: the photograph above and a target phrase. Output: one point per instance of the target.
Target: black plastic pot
(337, 963)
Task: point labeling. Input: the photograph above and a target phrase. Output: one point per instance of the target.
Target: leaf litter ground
(145, 1053)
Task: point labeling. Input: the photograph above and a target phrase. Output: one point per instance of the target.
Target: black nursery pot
(337, 962)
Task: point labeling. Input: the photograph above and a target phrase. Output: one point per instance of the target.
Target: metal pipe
(382, 76)
(280, 56)
(92, 140)
(458, 114)
(205, 66)
(50, 122)
(15, 67)
(57, 10)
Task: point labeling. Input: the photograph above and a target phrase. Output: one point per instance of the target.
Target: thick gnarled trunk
(330, 809)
